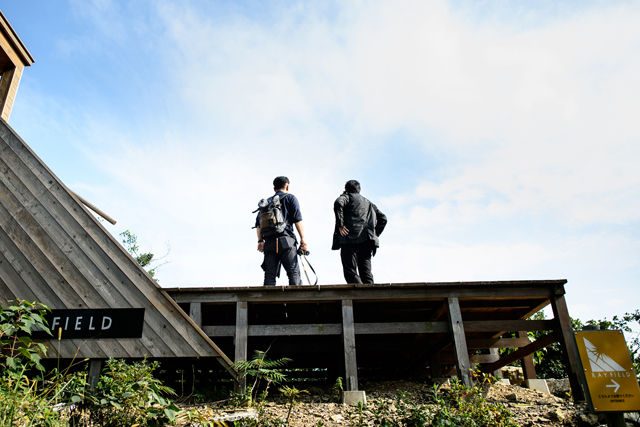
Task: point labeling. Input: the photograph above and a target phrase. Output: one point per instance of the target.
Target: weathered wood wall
(52, 250)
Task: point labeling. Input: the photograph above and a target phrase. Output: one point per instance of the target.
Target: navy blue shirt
(290, 212)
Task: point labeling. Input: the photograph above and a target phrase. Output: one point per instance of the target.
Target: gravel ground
(529, 407)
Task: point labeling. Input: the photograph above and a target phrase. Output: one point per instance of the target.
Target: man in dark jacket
(358, 225)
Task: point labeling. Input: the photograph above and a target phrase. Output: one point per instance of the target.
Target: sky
(500, 138)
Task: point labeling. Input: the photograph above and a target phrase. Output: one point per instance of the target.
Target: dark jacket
(363, 219)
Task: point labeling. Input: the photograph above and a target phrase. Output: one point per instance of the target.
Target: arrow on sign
(615, 384)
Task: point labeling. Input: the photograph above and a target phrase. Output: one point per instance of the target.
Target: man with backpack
(358, 225)
(274, 224)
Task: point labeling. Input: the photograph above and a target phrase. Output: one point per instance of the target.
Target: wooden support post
(241, 338)
(349, 340)
(95, 368)
(567, 342)
(528, 368)
(498, 372)
(195, 312)
(6, 100)
(459, 341)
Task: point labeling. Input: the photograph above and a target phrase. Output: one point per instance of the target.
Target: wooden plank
(57, 269)
(57, 273)
(567, 342)
(6, 101)
(241, 340)
(528, 368)
(493, 343)
(195, 312)
(538, 344)
(219, 331)
(24, 282)
(459, 341)
(95, 369)
(349, 340)
(332, 329)
(5, 293)
(401, 328)
(545, 284)
(509, 325)
(265, 295)
(484, 358)
(498, 372)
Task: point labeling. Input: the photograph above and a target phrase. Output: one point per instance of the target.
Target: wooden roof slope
(52, 250)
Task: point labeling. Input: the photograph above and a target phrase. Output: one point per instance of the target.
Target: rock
(589, 419)
(337, 418)
(513, 374)
(512, 397)
(559, 387)
(557, 414)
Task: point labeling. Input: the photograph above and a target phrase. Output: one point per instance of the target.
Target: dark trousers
(285, 253)
(357, 256)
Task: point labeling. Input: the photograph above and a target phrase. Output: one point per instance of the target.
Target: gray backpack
(272, 222)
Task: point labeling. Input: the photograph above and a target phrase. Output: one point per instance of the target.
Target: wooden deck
(385, 330)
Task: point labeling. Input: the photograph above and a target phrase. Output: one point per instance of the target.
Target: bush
(129, 394)
(125, 395)
(23, 400)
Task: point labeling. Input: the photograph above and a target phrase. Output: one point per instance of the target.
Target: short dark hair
(280, 182)
(352, 186)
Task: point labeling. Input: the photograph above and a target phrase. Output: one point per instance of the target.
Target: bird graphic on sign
(599, 361)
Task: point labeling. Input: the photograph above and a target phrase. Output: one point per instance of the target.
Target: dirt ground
(529, 407)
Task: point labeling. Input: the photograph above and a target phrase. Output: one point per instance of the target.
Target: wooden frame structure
(14, 56)
(369, 330)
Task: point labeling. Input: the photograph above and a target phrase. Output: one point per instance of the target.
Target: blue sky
(500, 138)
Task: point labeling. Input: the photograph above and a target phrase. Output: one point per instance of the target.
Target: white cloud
(538, 124)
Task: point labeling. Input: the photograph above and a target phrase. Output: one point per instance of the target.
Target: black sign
(95, 323)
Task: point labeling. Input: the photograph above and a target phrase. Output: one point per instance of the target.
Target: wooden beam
(349, 340)
(392, 328)
(567, 342)
(6, 101)
(459, 341)
(95, 369)
(528, 368)
(494, 343)
(241, 338)
(391, 292)
(484, 358)
(498, 372)
(195, 313)
(509, 325)
(538, 344)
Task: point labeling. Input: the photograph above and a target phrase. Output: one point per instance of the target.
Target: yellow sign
(611, 380)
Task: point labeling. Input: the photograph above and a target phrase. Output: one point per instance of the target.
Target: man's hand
(260, 246)
(343, 231)
(303, 244)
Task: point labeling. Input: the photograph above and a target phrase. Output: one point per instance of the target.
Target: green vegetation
(125, 394)
(261, 370)
(461, 407)
(549, 362)
(146, 260)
